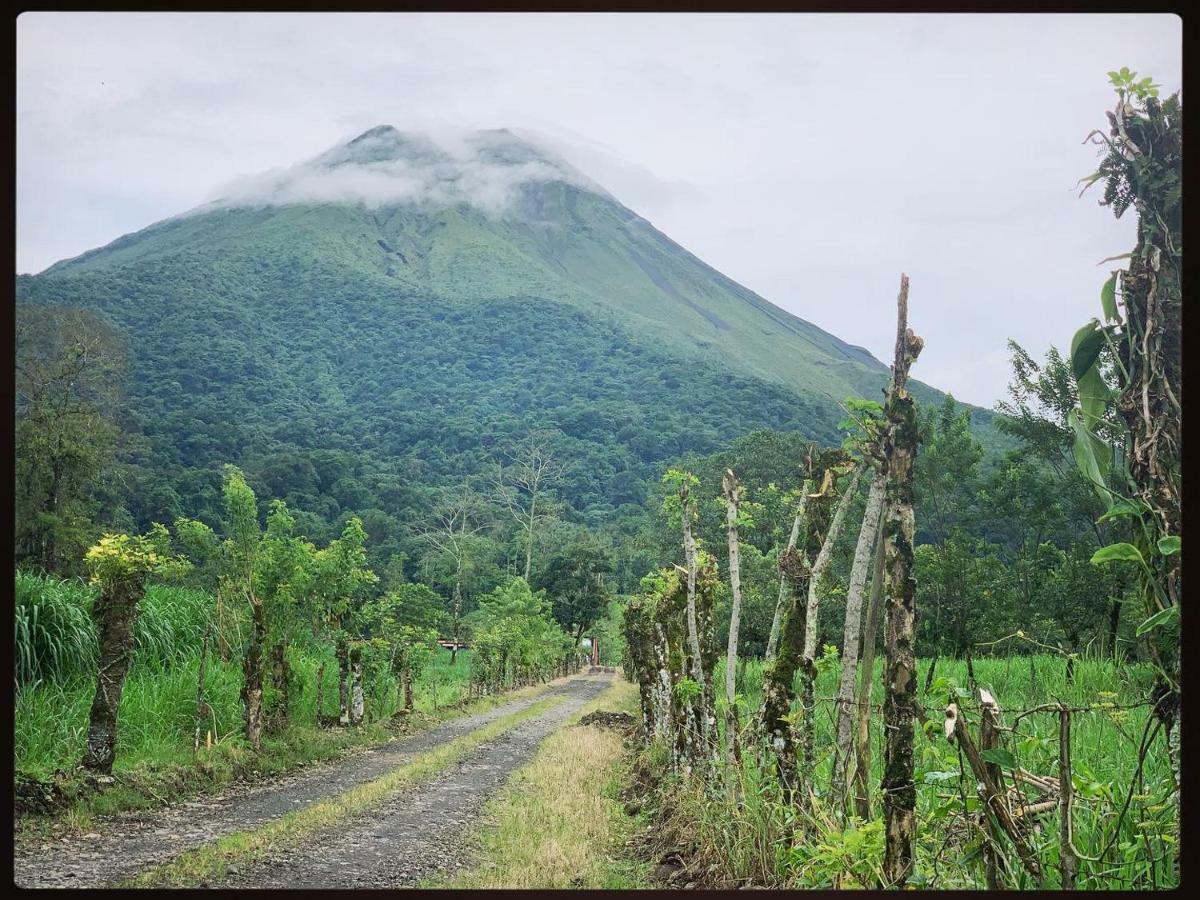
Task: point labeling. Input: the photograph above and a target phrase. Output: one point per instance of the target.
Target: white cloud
(384, 167)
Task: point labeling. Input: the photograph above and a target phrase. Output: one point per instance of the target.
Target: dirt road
(413, 833)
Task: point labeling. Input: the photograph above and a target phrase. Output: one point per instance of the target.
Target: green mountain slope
(329, 310)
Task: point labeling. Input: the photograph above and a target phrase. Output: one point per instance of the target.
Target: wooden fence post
(1068, 863)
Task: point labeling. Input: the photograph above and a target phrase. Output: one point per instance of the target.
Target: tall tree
(524, 486)
(450, 536)
(68, 374)
(575, 579)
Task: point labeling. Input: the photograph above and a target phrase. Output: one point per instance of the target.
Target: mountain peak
(384, 166)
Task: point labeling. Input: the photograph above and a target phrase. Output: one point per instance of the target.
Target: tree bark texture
(343, 659)
(900, 690)
(356, 701)
(784, 585)
(733, 496)
(252, 667)
(115, 614)
(862, 741)
(779, 674)
(852, 632)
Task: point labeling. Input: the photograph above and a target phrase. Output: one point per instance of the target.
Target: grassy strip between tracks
(211, 861)
(559, 822)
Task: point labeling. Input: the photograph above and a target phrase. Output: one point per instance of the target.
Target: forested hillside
(361, 359)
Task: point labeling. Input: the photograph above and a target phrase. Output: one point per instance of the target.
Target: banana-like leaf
(1169, 544)
(1092, 455)
(1119, 510)
(1085, 348)
(1114, 552)
(999, 756)
(1159, 619)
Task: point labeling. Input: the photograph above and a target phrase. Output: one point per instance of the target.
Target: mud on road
(414, 833)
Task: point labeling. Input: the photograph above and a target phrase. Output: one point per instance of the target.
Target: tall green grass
(55, 660)
(55, 638)
(752, 835)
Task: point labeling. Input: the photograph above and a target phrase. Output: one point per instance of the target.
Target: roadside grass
(754, 837)
(212, 861)
(559, 822)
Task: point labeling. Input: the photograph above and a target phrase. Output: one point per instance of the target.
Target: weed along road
(387, 817)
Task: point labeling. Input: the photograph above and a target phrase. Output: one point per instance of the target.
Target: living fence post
(989, 739)
(956, 729)
(1068, 862)
(201, 704)
(900, 673)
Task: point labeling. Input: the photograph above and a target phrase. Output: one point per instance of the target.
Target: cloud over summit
(384, 167)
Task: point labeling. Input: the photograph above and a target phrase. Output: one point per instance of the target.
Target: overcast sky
(810, 157)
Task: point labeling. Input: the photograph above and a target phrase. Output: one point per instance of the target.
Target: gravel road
(419, 831)
(394, 843)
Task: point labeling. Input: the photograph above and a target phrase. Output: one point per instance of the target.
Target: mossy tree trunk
(343, 660)
(356, 698)
(900, 690)
(699, 711)
(784, 584)
(115, 614)
(252, 667)
(779, 674)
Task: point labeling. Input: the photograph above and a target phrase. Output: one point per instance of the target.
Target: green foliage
(514, 635)
(55, 637)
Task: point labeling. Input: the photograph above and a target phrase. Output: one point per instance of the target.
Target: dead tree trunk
(697, 673)
(733, 496)
(900, 451)
(779, 675)
(850, 636)
(862, 741)
(784, 585)
(115, 614)
(202, 708)
(812, 613)
(989, 739)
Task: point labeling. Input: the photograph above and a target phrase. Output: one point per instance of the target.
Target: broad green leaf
(1169, 545)
(1093, 395)
(1000, 757)
(1115, 552)
(1092, 455)
(1085, 348)
(1119, 510)
(1160, 618)
(1108, 297)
